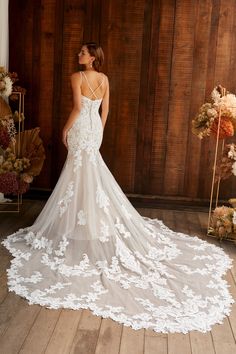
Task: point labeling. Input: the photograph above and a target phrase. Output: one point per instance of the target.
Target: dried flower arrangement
(223, 223)
(21, 155)
(7, 132)
(217, 118)
(5, 83)
(227, 165)
(206, 121)
(19, 167)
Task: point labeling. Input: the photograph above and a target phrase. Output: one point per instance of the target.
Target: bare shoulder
(76, 74)
(105, 76)
(76, 77)
(105, 79)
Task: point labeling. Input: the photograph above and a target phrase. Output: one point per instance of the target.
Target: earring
(91, 64)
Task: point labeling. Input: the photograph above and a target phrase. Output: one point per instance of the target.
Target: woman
(89, 248)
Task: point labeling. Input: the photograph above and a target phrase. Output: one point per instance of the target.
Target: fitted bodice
(87, 131)
(88, 105)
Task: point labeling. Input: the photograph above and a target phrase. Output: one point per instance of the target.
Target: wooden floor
(32, 329)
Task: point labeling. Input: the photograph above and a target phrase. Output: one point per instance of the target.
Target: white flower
(215, 95)
(5, 85)
(232, 152)
(234, 168)
(212, 112)
(234, 217)
(226, 103)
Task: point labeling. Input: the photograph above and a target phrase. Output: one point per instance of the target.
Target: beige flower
(27, 178)
(2, 85)
(222, 231)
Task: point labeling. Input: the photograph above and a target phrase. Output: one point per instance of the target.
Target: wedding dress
(90, 249)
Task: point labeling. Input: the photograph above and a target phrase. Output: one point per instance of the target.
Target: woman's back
(93, 84)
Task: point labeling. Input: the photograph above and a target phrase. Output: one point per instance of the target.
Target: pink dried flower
(23, 187)
(8, 183)
(4, 138)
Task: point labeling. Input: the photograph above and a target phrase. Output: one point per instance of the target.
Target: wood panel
(220, 59)
(179, 102)
(46, 85)
(125, 29)
(147, 95)
(203, 15)
(71, 34)
(160, 112)
(163, 58)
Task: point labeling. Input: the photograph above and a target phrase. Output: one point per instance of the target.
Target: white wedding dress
(89, 248)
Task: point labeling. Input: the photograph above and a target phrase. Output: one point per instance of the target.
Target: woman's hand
(64, 137)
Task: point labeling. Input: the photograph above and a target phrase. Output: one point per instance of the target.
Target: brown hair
(97, 52)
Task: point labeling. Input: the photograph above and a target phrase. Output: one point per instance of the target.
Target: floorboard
(32, 329)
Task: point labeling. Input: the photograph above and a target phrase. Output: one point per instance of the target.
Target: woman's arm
(76, 91)
(105, 104)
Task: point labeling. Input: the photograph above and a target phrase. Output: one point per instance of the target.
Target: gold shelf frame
(215, 191)
(20, 128)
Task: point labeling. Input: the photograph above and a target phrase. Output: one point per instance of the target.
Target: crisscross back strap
(93, 91)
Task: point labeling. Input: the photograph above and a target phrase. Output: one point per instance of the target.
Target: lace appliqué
(104, 229)
(63, 203)
(81, 218)
(102, 199)
(168, 318)
(37, 241)
(121, 228)
(62, 247)
(86, 133)
(77, 160)
(126, 257)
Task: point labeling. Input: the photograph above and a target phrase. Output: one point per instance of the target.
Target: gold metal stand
(218, 146)
(214, 174)
(5, 207)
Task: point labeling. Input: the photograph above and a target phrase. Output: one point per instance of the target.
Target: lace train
(89, 248)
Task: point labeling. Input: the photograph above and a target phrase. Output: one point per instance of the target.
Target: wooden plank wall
(163, 58)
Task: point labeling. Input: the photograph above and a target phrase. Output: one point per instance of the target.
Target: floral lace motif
(127, 270)
(62, 247)
(102, 199)
(121, 228)
(63, 203)
(86, 133)
(81, 217)
(37, 241)
(77, 160)
(104, 229)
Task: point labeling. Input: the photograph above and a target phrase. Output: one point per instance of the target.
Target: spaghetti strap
(93, 91)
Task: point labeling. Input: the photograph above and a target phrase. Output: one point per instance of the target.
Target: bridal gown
(90, 249)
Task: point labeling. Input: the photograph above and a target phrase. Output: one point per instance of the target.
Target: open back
(93, 88)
